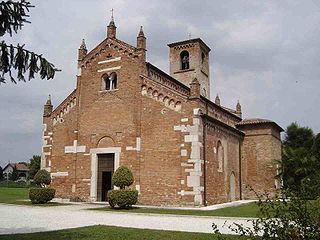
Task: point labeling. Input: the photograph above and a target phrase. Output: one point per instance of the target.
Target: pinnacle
(238, 107)
(141, 33)
(217, 100)
(83, 45)
(49, 100)
(112, 19)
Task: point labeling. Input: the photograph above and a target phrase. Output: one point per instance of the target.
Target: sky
(266, 54)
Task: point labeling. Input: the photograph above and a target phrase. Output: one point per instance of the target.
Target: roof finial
(141, 33)
(238, 108)
(112, 18)
(83, 45)
(111, 28)
(217, 100)
(189, 35)
(49, 100)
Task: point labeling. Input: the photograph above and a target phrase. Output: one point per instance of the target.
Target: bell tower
(189, 59)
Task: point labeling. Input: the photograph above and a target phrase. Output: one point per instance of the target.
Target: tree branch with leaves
(16, 62)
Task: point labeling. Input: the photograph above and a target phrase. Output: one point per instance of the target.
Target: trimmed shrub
(41, 195)
(122, 177)
(123, 198)
(42, 178)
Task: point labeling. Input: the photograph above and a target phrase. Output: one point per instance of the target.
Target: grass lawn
(112, 233)
(246, 210)
(19, 196)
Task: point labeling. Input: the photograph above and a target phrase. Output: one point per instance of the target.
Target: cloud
(264, 53)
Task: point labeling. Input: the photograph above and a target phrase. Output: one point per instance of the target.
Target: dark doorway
(105, 171)
(106, 185)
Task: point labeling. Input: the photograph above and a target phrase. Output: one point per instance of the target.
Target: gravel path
(26, 219)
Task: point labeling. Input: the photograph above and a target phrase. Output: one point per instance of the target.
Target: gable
(115, 60)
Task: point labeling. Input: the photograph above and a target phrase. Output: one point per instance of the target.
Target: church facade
(182, 148)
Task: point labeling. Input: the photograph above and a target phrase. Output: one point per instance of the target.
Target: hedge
(122, 177)
(41, 195)
(123, 198)
(42, 177)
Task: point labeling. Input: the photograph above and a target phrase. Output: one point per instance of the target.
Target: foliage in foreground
(122, 198)
(122, 177)
(42, 194)
(42, 178)
(17, 59)
(288, 217)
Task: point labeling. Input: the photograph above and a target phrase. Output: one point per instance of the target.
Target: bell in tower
(188, 60)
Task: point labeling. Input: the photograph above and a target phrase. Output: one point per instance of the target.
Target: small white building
(22, 169)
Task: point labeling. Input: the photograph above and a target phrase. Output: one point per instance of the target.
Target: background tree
(16, 60)
(14, 176)
(300, 162)
(298, 137)
(316, 147)
(34, 165)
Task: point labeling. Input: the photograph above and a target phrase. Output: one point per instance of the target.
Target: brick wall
(261, 147)
(158, 127)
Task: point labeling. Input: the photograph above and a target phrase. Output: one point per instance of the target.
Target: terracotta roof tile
(255, 121)
(19, 166)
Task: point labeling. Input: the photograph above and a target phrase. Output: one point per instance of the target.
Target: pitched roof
(190, 41)
(18, 166)
(256, 121)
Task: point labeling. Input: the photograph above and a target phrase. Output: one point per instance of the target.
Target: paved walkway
(26, 219)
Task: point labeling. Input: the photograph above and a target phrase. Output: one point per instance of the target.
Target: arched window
(220, 156)
(109, 82)
(184, 59)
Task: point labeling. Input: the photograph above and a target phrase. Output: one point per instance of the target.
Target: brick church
(182, 148)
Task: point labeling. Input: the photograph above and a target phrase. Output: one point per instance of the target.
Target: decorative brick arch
(105, 142)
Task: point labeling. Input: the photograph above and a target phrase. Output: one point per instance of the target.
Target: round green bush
(123, 198)
(42, 177)
(41, 195)
(122, 177)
